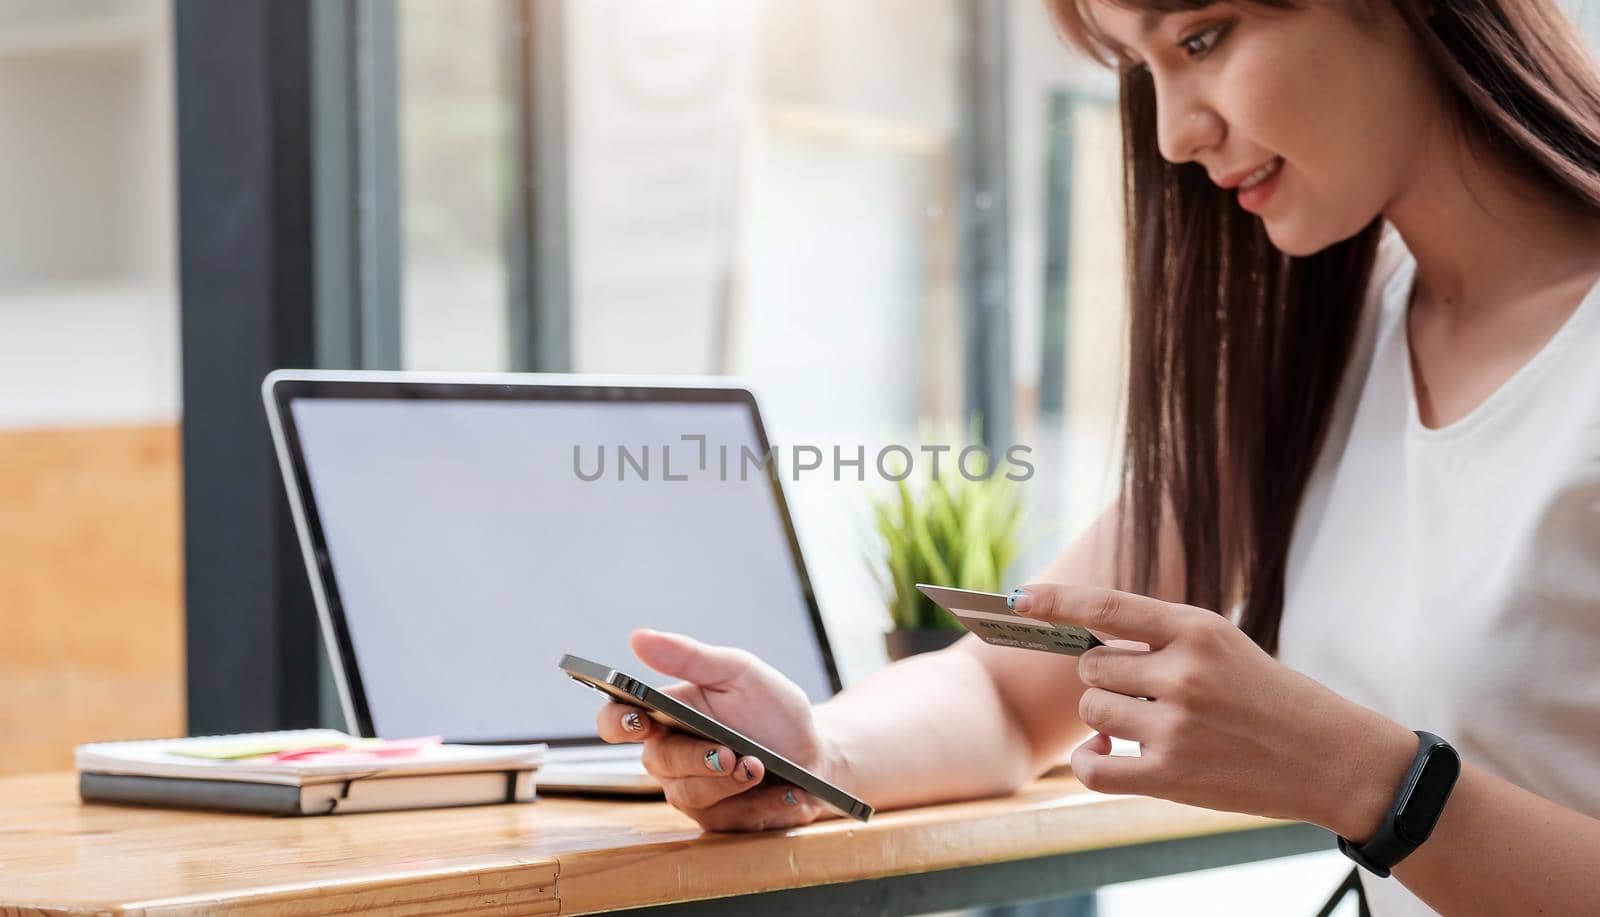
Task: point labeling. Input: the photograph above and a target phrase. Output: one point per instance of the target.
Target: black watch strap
(1378, 856)
(1415, 810)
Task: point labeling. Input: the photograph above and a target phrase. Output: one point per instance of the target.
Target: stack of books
(305, 772)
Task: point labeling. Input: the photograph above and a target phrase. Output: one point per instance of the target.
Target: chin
(1298, 240)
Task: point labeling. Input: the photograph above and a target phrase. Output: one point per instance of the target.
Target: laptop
(464, 531)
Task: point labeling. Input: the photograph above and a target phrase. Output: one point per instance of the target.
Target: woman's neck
(1488, 236)
(1503, 260)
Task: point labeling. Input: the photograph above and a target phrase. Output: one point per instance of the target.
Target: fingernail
(632, 722)
(714, 760)
(1019, 600)
(744, 770)
(788, 798)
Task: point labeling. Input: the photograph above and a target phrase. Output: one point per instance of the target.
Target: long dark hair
(1237, 350)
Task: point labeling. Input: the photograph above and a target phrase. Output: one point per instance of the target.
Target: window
(88, 306)
(774, 190)
(457, 116)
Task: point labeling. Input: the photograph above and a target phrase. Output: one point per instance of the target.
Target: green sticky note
(230, 749)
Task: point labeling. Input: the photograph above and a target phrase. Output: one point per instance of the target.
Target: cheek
(1339, 149)
(1289, 99)
(1348, 172)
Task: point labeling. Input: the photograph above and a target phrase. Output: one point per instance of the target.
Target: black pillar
(245, 210)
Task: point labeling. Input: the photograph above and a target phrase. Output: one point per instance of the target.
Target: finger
(1117, 714)
(1136, 673)
(623, 723)
(1099, 770)
(1105, 611)
(1098, 743)
(689, 659)
(617, 722)
(763, 809)
(670, 755)
(689, 694)
(691, 793)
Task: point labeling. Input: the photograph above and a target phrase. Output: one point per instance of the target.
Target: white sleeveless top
(1450, 578)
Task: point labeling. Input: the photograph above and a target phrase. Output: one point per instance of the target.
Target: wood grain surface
(91, 591)
(556, 855)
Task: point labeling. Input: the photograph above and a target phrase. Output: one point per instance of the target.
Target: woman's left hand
(1225, 725)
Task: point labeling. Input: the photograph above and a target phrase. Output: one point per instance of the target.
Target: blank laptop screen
(470, 552)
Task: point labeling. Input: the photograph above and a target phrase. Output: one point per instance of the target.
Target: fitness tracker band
(1415, 809)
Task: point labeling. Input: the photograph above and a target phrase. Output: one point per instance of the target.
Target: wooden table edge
(1047, 819)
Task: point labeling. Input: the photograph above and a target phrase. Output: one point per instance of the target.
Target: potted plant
(949, 530)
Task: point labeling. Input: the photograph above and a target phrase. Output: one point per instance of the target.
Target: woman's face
(1312, 116)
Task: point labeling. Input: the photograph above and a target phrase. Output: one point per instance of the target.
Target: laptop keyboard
(595, 754)
(613, 766)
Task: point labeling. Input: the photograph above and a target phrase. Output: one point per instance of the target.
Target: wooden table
(576, 856)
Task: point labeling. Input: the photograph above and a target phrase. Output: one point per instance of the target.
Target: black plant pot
(903, 643)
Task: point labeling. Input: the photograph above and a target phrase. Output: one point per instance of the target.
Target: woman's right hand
(704, 779)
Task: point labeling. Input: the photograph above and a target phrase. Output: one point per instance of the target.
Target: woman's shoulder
(1383, 305)
(1384, 302)
(1381, 299)
(1385, 287)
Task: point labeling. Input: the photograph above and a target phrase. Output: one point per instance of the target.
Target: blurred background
(892, 216)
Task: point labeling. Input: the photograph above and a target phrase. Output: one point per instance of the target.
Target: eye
(1203, 42)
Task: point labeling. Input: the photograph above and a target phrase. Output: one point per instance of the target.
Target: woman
(1364, 425)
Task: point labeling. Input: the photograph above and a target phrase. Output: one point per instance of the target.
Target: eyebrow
(1149, 19)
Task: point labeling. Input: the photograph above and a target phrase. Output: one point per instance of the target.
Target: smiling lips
(1256, 186)
(1254, 176)
(1260, 175)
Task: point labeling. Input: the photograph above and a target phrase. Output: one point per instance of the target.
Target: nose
(1185, 124)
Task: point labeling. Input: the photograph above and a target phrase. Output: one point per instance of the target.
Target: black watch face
(1417, 815)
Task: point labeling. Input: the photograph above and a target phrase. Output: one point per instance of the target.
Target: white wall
(88, 304)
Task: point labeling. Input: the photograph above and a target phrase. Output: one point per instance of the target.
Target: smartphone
(987, 615)
(675, 714)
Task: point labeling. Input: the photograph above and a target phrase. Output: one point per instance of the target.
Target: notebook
(239, 773)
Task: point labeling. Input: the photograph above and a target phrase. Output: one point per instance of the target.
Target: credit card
(986, 614)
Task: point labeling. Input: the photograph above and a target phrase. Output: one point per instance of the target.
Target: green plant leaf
(947, 529)
(929, 551)
(977, 568)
